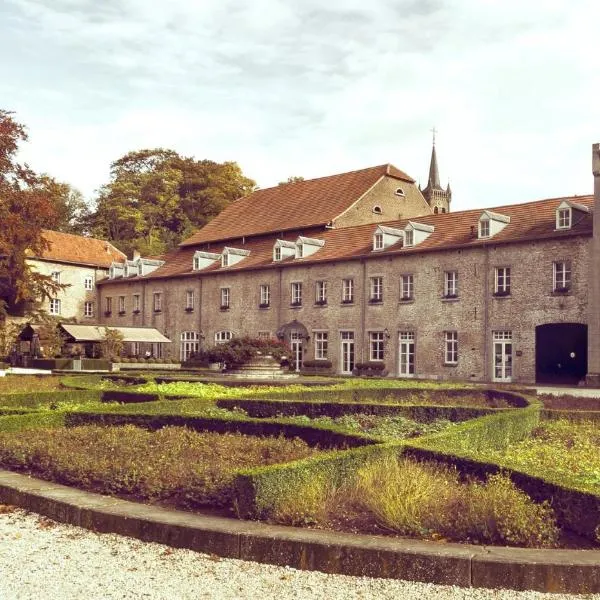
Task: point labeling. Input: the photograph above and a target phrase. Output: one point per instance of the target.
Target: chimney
(136, 255)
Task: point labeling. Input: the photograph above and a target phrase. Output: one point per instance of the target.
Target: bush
(317, 364)
(370, 369)
(241, 350)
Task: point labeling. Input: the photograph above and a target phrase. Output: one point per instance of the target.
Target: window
(563, 218)
(299, 250)
(450, 284)
(561, 281)
(378, 241)
(264, 335)
(377, 210)
(296, 293)
(157, 297)
(277, 253)
(502, 283)
(321, 293)
(189, 300)
(451, 348)
(121, 305)
(135, 349)
(225, 298)
(55, 275)
(376, 289)
(108, 305)
(225, 260)
(88, 283)
(399, 192)
(140, 268)
(88, 309)
(409, 238)
(223, 336)
(406, 287)
(54, 306)
(265, 295)
(484, 228)
(376, 345)
(347, 291)
(190, 344)
(196, 263)
(136, 303)
(321, 339)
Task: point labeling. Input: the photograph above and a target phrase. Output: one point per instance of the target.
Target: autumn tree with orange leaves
(25, 208)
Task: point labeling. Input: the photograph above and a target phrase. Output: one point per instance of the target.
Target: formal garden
(398, 458)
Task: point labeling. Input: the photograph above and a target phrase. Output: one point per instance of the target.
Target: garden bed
(186, 468)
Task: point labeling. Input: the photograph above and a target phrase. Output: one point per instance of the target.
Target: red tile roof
(77, 249)
(529, 221)
(293, 205)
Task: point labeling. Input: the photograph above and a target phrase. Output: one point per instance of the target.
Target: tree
(25, 209)
(156, 198)
(72, 211)
(292, 179)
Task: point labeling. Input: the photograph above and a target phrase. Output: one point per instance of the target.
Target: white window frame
(54, 306)
(88, 309)
(296, 293)
(88, 283)
(376, 345)
(265, 295)
(223, 336)
(190, 298)
(561, 275)
(378, 241)
(225, 297)
(264, 335)
(376, 289)
(224, 260)
(121, 304)
(450, 284)
(189, 343)
(300, 250)
(409, 238)
(55, 276)
(407, 287)
(502, 282)
(347, 291)
(321, 345)
(108, 304)
(451, 347)
(484, 228)
(136, 302)
(140, 268)
(564, 218)
(277, 253)
(157, 301)
(321, 292)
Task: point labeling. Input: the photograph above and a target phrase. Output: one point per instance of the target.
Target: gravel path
(42, 559)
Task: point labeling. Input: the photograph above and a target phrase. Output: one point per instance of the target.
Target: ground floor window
(321, 342)
(190, 343)
(451, 347)
(223, 336)
(376, 345)
(502, 355)
(406, 367)
(54, 306)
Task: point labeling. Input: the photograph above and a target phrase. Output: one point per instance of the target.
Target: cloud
(309, 89)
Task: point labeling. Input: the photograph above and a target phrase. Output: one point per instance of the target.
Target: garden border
(563, 571)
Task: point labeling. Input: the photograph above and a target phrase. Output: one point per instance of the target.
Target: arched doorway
(560, 353)
(295, 335)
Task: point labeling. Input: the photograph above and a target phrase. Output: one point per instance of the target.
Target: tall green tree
(72, 211)
(156, 198)
(25, 208)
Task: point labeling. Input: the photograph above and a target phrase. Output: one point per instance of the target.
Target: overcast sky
(312, 88)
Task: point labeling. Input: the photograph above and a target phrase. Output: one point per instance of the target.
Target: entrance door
(406, 366)
(296, 346)
(347, 352)
(502, 355)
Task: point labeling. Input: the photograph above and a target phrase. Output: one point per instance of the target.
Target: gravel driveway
(41, 559)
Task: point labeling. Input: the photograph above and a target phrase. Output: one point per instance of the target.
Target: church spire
(438, 198)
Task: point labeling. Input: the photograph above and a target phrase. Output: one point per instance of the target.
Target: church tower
(437, 197)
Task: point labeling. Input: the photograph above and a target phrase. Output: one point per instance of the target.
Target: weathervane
(434, 131)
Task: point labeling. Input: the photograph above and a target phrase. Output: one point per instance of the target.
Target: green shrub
(49, 399)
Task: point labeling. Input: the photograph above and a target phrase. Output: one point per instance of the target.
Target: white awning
(97, 333)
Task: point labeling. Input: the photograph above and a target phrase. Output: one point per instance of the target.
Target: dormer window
(225, 260)
(307, 246)
(232, 256)
(491, 223)
(378, 241)
(384, 237)
(202, 259)
(563, 218)
(484, 228)
(415, 233)
(140, 268)
(277, 254)
(284, 249)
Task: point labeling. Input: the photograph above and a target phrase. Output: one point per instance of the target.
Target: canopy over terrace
(97, 333)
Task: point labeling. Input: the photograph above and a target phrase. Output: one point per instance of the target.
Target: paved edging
(567, 571)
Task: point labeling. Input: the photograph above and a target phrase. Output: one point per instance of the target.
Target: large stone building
(361, 267)
(78, 263)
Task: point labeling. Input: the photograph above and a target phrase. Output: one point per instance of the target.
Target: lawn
(186, 468)
(18, 384)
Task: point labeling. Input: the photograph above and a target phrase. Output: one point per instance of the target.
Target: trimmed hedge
(128, 397)
(571, 415)
(45, 399)
(422, 414)
(52, 363)
(95, 364)
(33, 420)
(313, 435)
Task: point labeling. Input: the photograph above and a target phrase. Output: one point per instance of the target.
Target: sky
(312, 88)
